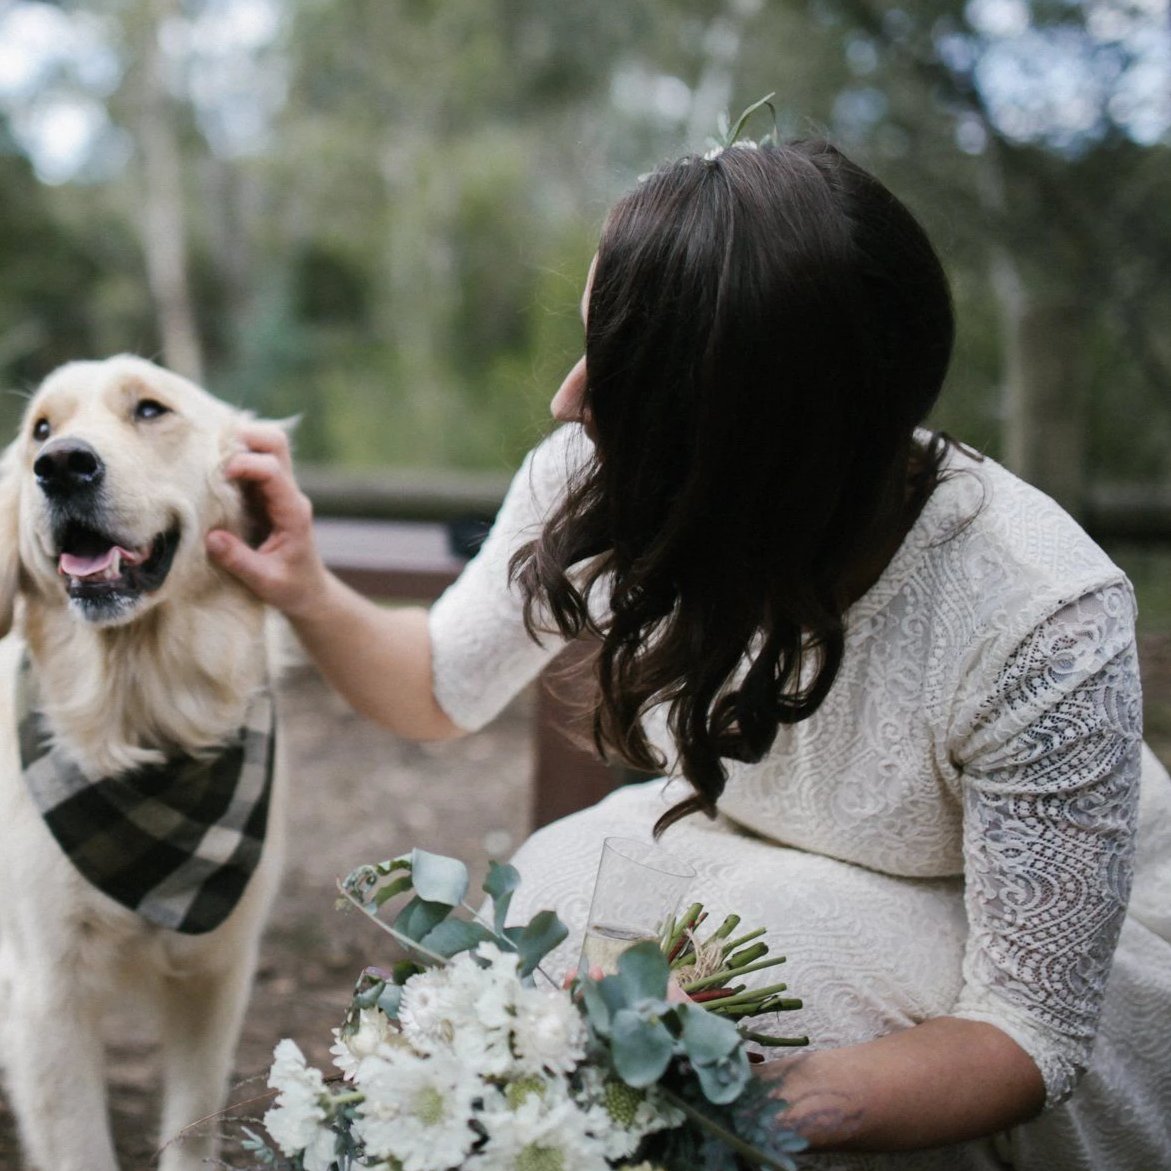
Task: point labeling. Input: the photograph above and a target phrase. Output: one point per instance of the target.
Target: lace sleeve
(481, 654)
(1050, 787)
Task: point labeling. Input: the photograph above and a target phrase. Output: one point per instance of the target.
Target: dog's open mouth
(100, 568)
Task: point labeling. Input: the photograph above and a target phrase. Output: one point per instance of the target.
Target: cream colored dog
(138, 650)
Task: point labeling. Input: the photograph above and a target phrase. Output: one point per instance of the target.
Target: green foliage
(646, 1032)
(425, 926)
(399, 259)
(640, 1037)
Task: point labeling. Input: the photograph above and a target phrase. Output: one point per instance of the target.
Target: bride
(892, 687)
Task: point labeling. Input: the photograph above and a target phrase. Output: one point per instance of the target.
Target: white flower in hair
(739, 144)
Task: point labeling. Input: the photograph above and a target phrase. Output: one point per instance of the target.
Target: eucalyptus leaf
(499, 886)
(390, 1000)
(722, 1081)
(536, 939)
(455, 935)
(420, 917)
(705, 1036)
(598, 1010)
(368, 997)
(603, 998)
(640, 1047)
(385, 893)
(439, 879)
(643, 970)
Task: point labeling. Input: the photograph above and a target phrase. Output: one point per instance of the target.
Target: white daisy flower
(543, 1132)
(549, 1031)
(426, 1010)
(483, 1009)
(417, 1109)
(374, 1033)
(319, 1153)
(295, 1121)
(487, 994)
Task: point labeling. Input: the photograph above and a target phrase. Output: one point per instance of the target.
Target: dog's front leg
(54, 1062)
(201, 1015)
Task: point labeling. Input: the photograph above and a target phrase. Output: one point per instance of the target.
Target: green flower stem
(742, 120)
(755, 995)
(770, 1041)
(716, 994)
(741, 1012)
(747, 1150)
(678, 940)
(735, 943)
(666, 933)
(721, 977)
(747, 955)
(726, 928)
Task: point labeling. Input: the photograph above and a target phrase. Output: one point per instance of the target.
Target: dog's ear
(9, 537)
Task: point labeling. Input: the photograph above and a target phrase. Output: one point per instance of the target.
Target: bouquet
(458, 1059)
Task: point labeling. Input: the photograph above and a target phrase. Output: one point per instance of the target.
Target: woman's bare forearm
(378, 658)
(944, 1081)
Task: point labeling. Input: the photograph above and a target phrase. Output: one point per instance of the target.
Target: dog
(140, 776)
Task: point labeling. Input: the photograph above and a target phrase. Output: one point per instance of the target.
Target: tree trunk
(1044, 387)
(164, 234)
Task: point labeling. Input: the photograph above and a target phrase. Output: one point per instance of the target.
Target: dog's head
(110, 487)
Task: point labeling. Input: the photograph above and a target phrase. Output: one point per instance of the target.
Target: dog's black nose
(67, 466)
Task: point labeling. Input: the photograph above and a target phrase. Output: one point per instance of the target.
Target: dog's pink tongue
(78, 566)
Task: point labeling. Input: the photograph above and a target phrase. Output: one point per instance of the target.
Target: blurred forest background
(379, 213)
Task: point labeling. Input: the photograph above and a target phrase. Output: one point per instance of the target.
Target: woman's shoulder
(990, 559)
(987, 513)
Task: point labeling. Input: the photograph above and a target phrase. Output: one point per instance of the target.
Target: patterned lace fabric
(983, 735)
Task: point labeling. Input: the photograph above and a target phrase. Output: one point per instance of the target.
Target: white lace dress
(954, 831)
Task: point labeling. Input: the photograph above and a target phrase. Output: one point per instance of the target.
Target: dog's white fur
(174, 671)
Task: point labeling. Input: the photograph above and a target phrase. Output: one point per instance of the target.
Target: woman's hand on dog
(285, 569)
(379, 658)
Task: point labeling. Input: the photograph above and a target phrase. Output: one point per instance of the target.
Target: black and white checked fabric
(175, 842)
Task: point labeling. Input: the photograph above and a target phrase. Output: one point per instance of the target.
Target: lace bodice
(986, 721)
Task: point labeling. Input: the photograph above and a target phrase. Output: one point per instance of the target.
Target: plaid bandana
(176, 842)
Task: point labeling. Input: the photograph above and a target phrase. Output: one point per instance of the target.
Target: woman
(900, 683)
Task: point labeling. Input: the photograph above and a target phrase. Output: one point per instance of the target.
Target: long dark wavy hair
(765, 329)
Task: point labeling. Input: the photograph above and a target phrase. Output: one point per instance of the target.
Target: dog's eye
(41, 430)
(148, 408)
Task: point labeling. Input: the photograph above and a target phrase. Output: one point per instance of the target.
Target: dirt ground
(361, 795)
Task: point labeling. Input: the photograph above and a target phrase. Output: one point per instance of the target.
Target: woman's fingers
(249, 565)
(286, 569)
(270, 438)
(287, 506)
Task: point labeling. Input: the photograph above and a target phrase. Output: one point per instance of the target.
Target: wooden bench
(413, 560)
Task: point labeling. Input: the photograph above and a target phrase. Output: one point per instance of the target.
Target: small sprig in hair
(728, 134)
